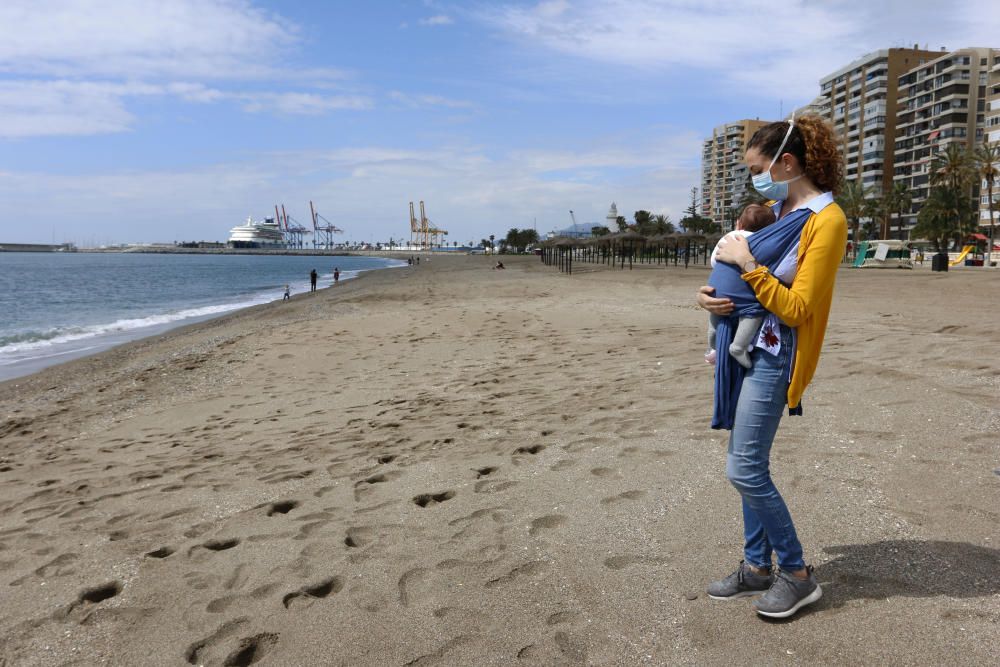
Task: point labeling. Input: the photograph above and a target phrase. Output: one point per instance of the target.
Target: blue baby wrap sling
(768, 246)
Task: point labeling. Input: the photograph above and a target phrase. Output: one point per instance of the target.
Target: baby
(754, 218)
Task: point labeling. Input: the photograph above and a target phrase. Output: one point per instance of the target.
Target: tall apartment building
(942, 102)
(992, 136)
(820, 106)
(861, 100)
(723, 172)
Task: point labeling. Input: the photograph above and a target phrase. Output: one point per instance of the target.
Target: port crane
(423, 233)
(295, 232)
(322, 233)
(431, 234)
(415, 232)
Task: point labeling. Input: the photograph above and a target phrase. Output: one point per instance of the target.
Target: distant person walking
(336, 275)
(796, 291)
(312, 280)
(288, 294)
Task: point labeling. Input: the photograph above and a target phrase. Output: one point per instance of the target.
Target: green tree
(852, 201)
(519, 239)
(622, 223)
(941, 216)
(898, 200)
(987, 159)
(954, 170)
(599, 231)
(875, 212)
(643, 222)
(662, 224)
(693, 221)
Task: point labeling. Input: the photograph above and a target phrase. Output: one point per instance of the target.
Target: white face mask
(763, 183)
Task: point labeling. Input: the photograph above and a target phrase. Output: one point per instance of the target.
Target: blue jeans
(767, 525)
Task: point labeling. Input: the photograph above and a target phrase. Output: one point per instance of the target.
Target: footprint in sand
(528, 569)
(162, 552)
(430, 499)
(621, 562)
(214, 545)
(281, 507)
(546, 523)
(359, 536)
(634, 494)
(307, 595)
(88, 597)
(216, 649)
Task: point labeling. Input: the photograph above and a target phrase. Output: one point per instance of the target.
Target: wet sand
(451, 465)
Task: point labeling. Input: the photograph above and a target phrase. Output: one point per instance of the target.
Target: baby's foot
(710, 357)
(741, 355)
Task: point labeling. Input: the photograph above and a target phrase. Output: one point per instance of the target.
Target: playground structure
(322, 233)
(423, 234)
(962, 255)
(883, 254)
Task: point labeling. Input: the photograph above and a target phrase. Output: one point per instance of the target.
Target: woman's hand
(734, 249)
(711, 304)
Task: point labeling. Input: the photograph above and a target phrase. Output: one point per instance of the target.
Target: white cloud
(364, 190)
(753, 46)
(440, 19)
(421, 100)
(61, 107)
(139, 38)
(74, 65)
(305, 104)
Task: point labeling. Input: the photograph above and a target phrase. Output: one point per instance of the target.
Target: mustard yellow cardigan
(806, 304)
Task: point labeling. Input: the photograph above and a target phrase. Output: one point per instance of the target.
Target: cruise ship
(257, 234)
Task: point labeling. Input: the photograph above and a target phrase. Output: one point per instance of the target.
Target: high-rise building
(860, 100)
(723, 172)
(820, 106)
(941, 102)
(993, 136)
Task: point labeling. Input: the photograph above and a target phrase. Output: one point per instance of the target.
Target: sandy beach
(450, 465)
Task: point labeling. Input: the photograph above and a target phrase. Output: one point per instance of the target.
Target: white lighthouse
(612, 218)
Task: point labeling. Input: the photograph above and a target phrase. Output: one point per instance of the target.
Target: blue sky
(141, 120)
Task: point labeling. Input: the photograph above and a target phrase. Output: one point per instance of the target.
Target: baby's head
(755, 217)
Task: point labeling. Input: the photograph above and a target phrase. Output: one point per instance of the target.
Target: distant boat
(257, 234)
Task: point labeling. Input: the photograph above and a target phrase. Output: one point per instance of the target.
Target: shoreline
(469, 466)
(97, 342)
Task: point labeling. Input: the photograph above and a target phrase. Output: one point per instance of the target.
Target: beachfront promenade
(447, 464)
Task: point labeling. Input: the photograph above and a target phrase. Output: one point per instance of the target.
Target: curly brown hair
(814, 145)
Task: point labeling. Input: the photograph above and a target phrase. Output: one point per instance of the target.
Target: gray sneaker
(741, 583)
(788, 594)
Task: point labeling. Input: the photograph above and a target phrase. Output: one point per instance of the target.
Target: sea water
(59, 306)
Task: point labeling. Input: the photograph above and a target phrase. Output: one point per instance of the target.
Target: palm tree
(941, 215)
(852, 201)
(952, 166)
(662, 224)
(898, 200)
(875, 211)
(986, 158)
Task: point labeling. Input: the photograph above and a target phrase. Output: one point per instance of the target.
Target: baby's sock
(741, 355)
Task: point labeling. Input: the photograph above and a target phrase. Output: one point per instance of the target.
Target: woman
(797, 164)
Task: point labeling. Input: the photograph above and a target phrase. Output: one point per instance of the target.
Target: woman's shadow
(907, 568)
